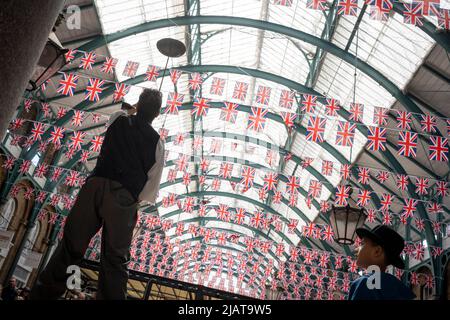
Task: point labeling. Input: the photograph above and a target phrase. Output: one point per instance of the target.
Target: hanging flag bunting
(363, 175)
(289, 118)
(109, 65)
(348, 7)
(37, 131)
(286, 99)
(376, 138)
(25, 166)
(438, 149)
(217, 86)
(315, 189)
(413, 14)
(363, 198)
(316, 4)
(121, 90)
(8, 163)
(342, 195)
(442, 188)
(404, 120)
(345, 134)
(286, 3)
(195, 81)
(96, 143)
(386, 201)
(309, 103)
(93, 89)
(407, 143)
(422, 185)
(444, 21)
(428, 123)
(345, 172)
(130, 69)
(379, 9)
(70, 55)
(356, 110)
(248, 175)
(409, 208)
(257, 120)
(292, 185)
(327, 168)
(77, 139)
(174, 101)
(382, 176)
(56, 135)
(201, 107)
(175, 75)
(226, 169)
(229, 112)
(68, 84)
(429, 7)
(263, 95)
(152, 73)
(88, 60)
(315, 129)
(402, 182)
(380, 116)
(77, 118)
(332, 107)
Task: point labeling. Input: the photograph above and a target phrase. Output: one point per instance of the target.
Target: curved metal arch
(268, 26)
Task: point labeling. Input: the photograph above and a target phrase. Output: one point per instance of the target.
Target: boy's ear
(379, 251)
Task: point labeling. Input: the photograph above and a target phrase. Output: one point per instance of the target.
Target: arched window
(7, 214)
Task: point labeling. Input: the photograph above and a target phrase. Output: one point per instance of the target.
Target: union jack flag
(348, 7)
(289, 118)
(428, 7)
(428, 123)
(93, 89)
(404, 120)
(387, 219)
(85, 154)
(309, 103)
(402, 181)
(72, 178)
(195, 81)
(434, 207)
(342, 195)
(152, 73)
(315, 129)
(96, 143)
(226, 170)
(292, 185)
(121, 90)
(386, 201)
(413, 14)
(409, 208)
(248, 175)
(57, 171)
(77, 118)
(363, 175)
(376, 138)
(324, 206)
(441, 188)
(9, 163)
(17, 124)
(41, 170)
(229, 112)
(316, 4)
(356, 111)
(345, 134)
(345, 171)
(109, 65)
(315, 189)
(174, 101)
(257, 120)
(56, 135)
(286, 3)
(287, 99)
(420, 224)
(77, 139)
(37, 131)
(332, 107)
(382, 176)
(408, 144)
(70, 55)
(379, 9)
(263, 95)
(88, 60)
(130, 69)
(217, 86)
(444, 21)
(175, 75)
(327, 168)
(371, 215)
(201, 107)
(380, 116)
(67, 84)
(438, 148)
(422, 185)
(363, 197)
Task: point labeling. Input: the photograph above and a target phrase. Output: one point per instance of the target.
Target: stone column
(24, 30)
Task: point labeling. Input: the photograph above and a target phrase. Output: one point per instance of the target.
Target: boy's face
(369, 253)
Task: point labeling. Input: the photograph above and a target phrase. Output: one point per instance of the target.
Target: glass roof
(393, 48)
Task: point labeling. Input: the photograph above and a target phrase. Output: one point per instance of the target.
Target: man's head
(149, 104)
(380, 246)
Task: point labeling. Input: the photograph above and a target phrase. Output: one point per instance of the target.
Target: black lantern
(51, 61)
(345, 220)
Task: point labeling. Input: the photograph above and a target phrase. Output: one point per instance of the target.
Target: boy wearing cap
(380, 248)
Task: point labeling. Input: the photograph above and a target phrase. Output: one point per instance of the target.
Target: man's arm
(151, 188)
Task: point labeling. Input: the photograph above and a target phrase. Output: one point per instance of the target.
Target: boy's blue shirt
(390, 289)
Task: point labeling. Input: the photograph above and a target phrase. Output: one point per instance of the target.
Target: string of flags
(414, 12)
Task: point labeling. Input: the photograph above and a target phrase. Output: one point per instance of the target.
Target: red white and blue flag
(263, 95)
(67, 84)
(93, 89)
(257, 120)
(315, 129)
